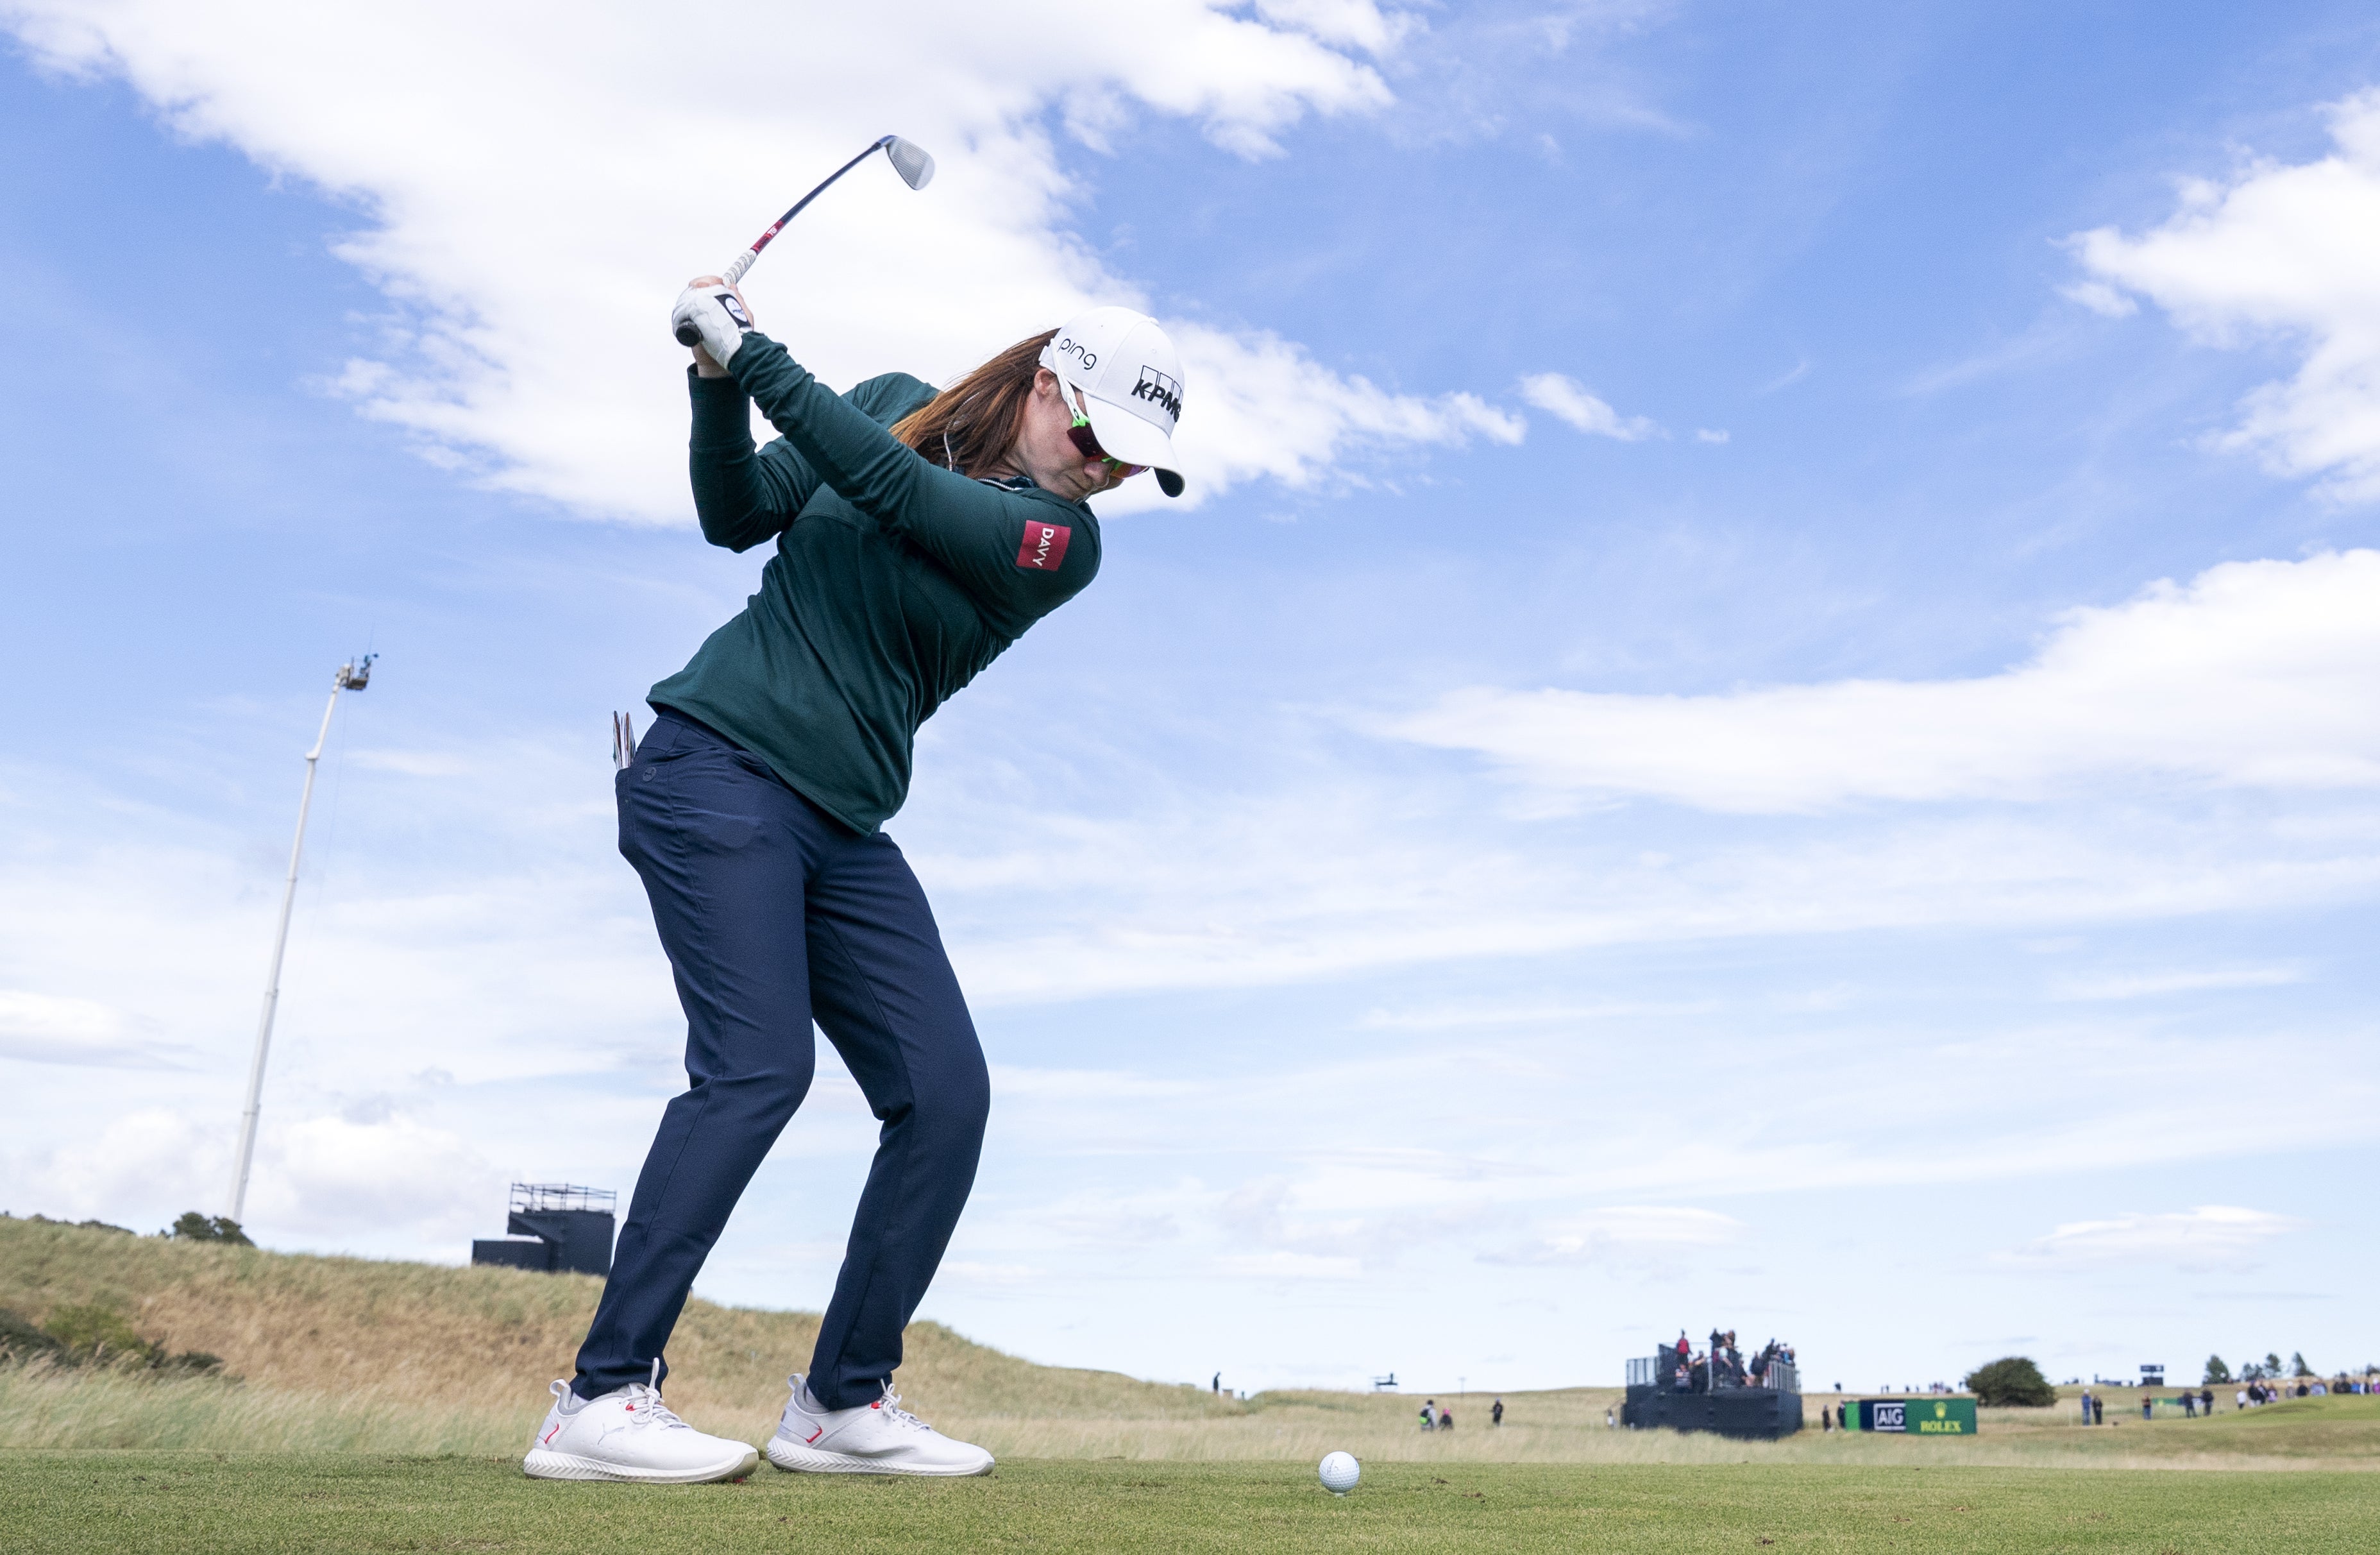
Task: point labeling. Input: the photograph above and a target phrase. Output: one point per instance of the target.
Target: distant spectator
(2148, 1406)
(1826, 1420)
(1445, 1419)
(2188, 1404)
(1429, 1414)
(2086, 1406)
(2241, 1402)
(2098, 1412)
(2206, 1403)
(1843, 1417)
(1496, 1414)
(1219, 1384)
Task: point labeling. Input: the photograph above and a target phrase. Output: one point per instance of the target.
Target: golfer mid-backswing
(919, 534)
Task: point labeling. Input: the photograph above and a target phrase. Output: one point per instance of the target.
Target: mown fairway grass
(139, 1501)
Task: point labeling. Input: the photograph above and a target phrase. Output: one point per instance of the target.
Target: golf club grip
(686, 333)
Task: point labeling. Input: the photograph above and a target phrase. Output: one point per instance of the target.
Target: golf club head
(911, 161)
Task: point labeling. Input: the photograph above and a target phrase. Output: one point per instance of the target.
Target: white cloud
(2253, 674)
(1711, 435)
(1288, 1265)
(2211, 1236)
(2280, 250)
(1459, 1017)
(528, 225)
(2101, 298)
(1625, 1233)
(1270, 409)
(2150, 985)
(1566, 400)
(48, 1028)
(326, 1175)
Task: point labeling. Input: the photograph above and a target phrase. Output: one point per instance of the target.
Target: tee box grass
(137, 1502)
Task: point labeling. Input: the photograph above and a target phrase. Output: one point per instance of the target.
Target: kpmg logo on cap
(1159, 390)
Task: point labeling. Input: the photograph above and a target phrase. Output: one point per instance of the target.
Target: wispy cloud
(2252, 674)
(2211, 1236)
(1449, 1017)
(1567, 400)
(51, 1028)
(2150, 985)
(1625, 1233)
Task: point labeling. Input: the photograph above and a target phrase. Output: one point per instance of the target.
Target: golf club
(908, 159)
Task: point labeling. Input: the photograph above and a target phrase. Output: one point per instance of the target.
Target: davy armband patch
(1044, 546)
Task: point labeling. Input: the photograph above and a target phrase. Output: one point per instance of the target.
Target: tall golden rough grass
(460, 1355)
(334, 1354)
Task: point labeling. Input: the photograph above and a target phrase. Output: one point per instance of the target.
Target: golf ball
(1339, 1472)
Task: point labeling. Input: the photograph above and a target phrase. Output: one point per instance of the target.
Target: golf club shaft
(744, 261)
(735, 272)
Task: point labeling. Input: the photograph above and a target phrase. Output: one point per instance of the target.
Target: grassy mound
(359, 1354)
(351, 1355)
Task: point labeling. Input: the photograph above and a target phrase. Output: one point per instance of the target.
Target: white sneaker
(879, 1438)
(629, 1434)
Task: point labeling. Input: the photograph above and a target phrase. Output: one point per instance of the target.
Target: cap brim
(1131, 440)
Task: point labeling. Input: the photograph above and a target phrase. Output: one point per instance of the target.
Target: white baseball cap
(1131, 379)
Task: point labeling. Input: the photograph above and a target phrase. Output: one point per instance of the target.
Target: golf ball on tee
(1339, 1472)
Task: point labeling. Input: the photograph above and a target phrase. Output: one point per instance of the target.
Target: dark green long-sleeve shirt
(894, 583)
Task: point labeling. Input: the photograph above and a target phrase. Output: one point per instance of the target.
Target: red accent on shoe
(814, 1436)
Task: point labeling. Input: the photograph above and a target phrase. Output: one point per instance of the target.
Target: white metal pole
(280, 944)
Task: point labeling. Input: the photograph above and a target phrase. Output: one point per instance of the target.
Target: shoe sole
(542, 1465)
(794, 1458)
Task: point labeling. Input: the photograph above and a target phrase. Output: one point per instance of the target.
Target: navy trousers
(774, 914)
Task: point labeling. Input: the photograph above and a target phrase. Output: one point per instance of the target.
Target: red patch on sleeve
(1044, 546)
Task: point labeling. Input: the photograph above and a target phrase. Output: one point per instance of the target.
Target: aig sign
(1933, 1416)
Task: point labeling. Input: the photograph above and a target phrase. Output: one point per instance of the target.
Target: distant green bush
(93, 1334)
(2216, 1370)
(2013, 1379)
(86, 1225)
(196, 1227)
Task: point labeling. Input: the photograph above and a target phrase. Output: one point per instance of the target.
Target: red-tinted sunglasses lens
(1088, 444)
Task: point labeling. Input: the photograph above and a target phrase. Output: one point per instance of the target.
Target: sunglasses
(1086, 442)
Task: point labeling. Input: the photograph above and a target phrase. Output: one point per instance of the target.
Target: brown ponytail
(972, 425)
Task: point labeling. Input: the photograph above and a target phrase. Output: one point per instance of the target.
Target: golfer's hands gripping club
(711, 317)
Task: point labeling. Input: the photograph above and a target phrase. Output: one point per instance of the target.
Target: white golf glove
(713, 317)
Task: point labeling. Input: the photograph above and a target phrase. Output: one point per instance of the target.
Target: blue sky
(1761, 715)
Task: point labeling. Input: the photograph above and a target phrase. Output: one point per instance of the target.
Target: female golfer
(919, 534)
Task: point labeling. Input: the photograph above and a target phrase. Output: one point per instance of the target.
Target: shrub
(196, 1227)
(98, 1334)
(95, 1330)
(22, 1340)
(2013, 1379)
